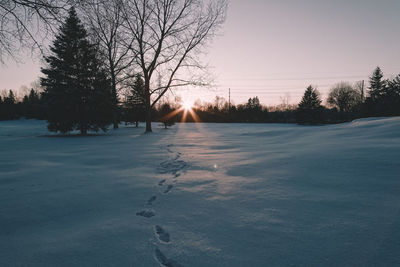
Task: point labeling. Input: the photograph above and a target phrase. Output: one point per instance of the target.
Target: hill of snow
(202, 195)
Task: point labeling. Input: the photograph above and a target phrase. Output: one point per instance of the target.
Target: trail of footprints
(175, 167)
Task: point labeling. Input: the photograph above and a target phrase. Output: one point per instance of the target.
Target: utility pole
(229, 100)
(362, 90)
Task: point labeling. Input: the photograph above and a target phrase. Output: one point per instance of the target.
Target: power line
(294, 79)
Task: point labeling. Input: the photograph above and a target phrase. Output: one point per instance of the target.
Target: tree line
(345, 102)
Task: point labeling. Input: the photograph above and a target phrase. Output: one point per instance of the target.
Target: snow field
(202, 195)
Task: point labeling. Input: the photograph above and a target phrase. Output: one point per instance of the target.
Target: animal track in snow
(146, 213)
(151, 200)
(164, 261)
(162, 234)
(169, 187)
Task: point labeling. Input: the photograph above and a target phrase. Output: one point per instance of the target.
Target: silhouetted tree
(32, 106)
(377, 84)
(253, 104)
(10, 99)
(311, 99)
(253, 110)
(344, 97)
(134, 105)
(77, 91)
(168, 37)
(309, 109)
(105, 24)
(167, 117)
(391, 97)
(9, 107)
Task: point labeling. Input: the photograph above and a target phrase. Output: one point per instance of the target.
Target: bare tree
(105, 21)
(168, 36)
(360, 88)
(344, 97)
(27, 23)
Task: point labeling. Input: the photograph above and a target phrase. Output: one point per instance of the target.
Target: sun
(187, 105)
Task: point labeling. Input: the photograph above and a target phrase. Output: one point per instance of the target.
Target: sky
(274, 49)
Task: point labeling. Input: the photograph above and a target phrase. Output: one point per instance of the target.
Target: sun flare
(187, 105)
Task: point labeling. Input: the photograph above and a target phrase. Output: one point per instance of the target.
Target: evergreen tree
(394, 87)
(310, 109)
(33, 96)
(377, 85)
(391, 98)
(77, 92)
(10, 99)
(253, 110)
(10, 111)
(253, 104)
(31, 105)
(134, 106)
(311, 99)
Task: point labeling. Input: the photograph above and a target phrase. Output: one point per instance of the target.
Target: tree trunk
(148, 105)
(148, 120)
(115, 101)
(115, 118)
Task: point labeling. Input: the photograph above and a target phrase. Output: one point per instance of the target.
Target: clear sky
(273, 48)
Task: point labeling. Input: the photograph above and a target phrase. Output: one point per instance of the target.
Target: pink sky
(275, 48)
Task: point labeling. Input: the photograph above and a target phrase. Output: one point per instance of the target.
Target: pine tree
(377, 85)
(311, 99)
(392, 97)
(31, 105)
(393, 87)
(253, 110)
(10, 107)
(10, 99)
(135, 107)
(77, 91)
(309, 109)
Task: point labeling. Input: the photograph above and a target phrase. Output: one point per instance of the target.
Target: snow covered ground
(202, 195)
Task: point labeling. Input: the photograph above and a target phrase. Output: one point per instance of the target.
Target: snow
(202, 195)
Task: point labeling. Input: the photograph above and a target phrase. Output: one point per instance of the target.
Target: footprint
(151, 200)
(168, 189)
(162, 234)
(146, 213)
(164, 261)
(162, 182)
